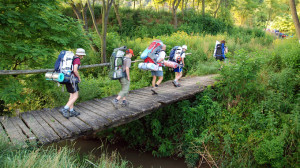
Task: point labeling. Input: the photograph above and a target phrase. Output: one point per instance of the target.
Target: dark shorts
(70, 88)
(178, 69)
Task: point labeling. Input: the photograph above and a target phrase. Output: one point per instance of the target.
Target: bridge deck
(48, 125)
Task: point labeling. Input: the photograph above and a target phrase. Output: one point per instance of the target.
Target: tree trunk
(83, 18)
(203, 7)
(116, 7)
(174, 9)
(93, 18)
(133, 4)
(215, 14)
(106, 8)
(182, 8)
(295, 18)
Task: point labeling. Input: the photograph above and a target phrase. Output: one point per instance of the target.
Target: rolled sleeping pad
(170, 64)
(59, 77)
(148, 66)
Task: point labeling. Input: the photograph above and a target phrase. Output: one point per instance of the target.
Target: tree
(116, 8)
(80, 9)
(106, 6)
(31, 33)
(203, 7)
(175, 5)
(295, 18)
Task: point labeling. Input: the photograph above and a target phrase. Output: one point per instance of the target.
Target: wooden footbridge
(48, 125)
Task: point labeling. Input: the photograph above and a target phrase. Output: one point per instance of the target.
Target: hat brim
(80, 54)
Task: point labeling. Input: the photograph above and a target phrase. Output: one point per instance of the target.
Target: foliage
(12, 156)
(30, 41)
(250, 118)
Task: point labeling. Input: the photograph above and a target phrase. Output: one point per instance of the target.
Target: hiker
(221, 52)
(159, 73)
(73, 89)
(180, 60)
(125, 80)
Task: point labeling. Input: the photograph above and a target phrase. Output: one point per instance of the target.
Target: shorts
(70, 88)
(178, 69)
(157, 73)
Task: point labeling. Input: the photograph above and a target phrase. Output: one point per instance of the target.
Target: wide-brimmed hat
(80, 51)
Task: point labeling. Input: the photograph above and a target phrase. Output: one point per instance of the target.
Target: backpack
(116, 63)
(150, 54)
(64, 65)
(176, 52)
(220, 48)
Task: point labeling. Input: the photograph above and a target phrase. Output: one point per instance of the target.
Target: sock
(66, 107)
(71, 109)
(156, 85)
(175, 80)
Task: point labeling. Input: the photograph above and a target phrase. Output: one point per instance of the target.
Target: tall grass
(15, 156)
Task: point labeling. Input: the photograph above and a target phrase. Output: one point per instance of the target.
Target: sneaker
(178, 85)
(65, 112)
(124, 103)
(115, 103)
(74, 113)
(154, 90)
(174, 83)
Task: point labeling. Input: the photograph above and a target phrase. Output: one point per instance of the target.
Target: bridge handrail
(35, 71)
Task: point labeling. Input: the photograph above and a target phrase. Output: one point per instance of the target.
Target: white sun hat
(80, 51)
(184, 47)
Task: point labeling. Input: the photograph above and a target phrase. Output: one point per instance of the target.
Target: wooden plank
(106, 102)
(65, 122)
(35, 127)
(3, 133)
(49, 131)
(92, 119)
(59, 129)
(14, 133)
(31, 137)
(109, 113)
(99, 111)
(79, 124)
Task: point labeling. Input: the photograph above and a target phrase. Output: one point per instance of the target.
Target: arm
(76, 71)
(127, 73)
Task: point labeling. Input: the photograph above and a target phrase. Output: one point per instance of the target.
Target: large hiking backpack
(176, 52)
(220, 52)
(116, 63)
(64, 65)
(150, 54)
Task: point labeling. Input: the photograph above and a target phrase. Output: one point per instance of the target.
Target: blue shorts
(178, 69)
(157, 73)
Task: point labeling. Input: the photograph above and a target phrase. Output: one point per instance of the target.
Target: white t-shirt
(182, 56)
(161, 55)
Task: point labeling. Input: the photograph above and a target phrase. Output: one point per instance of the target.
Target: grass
(15, 156)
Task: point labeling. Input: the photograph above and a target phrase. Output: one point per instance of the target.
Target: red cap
(129, 51)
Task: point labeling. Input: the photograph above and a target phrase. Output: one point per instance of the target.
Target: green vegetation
(250, 118)
(13, 156)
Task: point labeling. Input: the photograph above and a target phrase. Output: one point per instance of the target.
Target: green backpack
(116, 63)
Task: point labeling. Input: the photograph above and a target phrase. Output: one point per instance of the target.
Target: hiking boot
(65, 112)
(124, 103)
(74, 113)
(115, 103)
(174, 83)
(178, 85)
(154, 90)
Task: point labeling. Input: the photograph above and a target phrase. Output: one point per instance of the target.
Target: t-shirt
(182, 56)
(161, 55)
(126, 63)
(76, 61)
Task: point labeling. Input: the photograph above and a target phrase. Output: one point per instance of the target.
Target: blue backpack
(173, 53)
(220, 52)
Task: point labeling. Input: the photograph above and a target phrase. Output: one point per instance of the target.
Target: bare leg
(72, 99)
(160, 78)
(153, 81)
